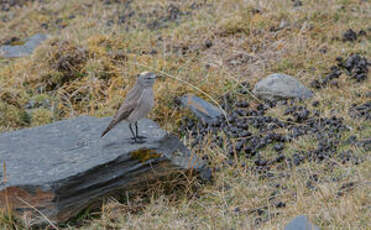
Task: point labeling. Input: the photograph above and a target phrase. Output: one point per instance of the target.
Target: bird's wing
(130, 103)
(125, 110)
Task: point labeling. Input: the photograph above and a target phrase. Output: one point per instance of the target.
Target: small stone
(301, 223)
(208, 43)
(10, 51)
(206, 174)
(278, 147)
(202, 109)
(281, 86)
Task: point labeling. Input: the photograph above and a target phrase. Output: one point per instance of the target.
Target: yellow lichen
(144, 155)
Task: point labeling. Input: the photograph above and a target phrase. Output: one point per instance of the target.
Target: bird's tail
(109, 127)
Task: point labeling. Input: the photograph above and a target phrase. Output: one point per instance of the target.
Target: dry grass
(96, 50)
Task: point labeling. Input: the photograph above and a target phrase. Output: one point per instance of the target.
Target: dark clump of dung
(361, 111)
(351, 36)
(297, 3)
(355, 66)
(248, 131)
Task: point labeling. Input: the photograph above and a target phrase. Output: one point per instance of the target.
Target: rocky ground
(270, 160)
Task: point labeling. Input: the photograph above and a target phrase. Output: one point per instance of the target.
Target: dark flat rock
(201, 108)
(65, 166)
(14, 51)
(301, 223)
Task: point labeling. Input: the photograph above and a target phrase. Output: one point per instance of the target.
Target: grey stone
(9, 51)
(202, 109)
(281, 86)
(301, 223)
(63, 167)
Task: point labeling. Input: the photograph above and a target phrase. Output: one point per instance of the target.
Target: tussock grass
(96, 50)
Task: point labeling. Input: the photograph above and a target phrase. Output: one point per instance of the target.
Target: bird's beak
(154, 76)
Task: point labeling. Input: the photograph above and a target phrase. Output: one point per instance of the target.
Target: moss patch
(144, 155)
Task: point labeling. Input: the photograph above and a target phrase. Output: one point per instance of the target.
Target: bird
(137, 104)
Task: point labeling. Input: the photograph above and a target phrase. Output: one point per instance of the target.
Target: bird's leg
(134, 136)
(132, 132)
(136, 129)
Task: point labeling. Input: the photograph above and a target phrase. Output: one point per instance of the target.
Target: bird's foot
(141, 137)
(136, 140)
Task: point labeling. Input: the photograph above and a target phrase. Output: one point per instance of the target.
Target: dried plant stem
(5, 180)
(38, 211)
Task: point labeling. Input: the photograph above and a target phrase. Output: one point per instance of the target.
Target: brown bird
(138, 103)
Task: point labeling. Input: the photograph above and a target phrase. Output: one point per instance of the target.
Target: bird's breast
(147, 98)
(143, 107)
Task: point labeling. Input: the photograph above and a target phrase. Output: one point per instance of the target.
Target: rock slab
(201, 108)
(63, 167)
(281, 86)
(10, 51)
(301, 223)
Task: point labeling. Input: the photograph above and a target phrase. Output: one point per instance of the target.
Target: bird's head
(146, 79)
